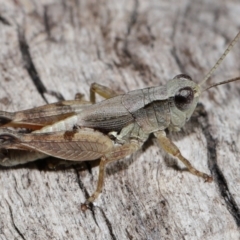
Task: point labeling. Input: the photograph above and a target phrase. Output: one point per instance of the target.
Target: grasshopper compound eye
(183, 98)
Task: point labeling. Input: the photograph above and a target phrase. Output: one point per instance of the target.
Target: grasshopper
(109, 130)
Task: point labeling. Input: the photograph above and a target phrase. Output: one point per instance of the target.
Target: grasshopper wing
(36, 118)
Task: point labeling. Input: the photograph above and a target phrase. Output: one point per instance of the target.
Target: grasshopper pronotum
(82, 130)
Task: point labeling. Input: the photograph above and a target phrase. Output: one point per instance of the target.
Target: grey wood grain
(58, 48)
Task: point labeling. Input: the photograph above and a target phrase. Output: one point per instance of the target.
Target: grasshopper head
(184, 95)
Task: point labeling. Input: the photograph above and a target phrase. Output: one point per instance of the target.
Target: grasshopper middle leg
(102, 91)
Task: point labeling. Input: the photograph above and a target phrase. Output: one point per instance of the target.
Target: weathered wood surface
(124, 45)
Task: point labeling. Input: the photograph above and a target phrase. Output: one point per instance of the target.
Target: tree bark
(50, 50)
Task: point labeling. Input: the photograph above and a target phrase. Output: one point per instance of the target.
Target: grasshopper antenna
(223, 82)
(220, 61)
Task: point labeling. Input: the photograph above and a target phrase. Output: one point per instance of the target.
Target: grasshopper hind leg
(116, 153)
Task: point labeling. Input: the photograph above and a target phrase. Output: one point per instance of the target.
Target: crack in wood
(133, 17)
(109, 225)
(47, 22)
(13, 223)
(4, 21)
(218, 176)
(31, 69)
(174, 50)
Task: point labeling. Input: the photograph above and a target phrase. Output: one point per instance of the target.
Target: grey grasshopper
(80, 130)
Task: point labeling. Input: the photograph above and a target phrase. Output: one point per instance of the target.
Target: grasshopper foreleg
(172, 149)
